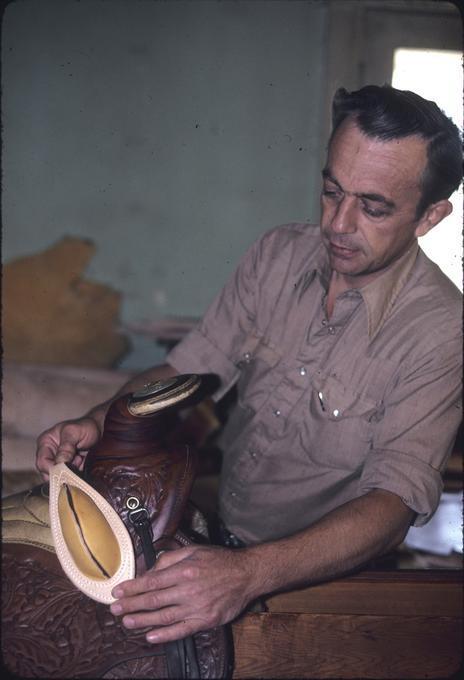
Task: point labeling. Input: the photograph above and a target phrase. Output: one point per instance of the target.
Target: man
(345, 343)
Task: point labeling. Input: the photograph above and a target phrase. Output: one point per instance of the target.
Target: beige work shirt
(328, 410)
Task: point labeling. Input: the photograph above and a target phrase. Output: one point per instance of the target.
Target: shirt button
(277, 412)
(302, 370)
(331, 330)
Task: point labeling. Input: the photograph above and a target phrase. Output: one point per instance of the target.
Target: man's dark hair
(387, 113)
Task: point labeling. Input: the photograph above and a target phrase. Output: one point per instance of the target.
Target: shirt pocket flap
(339, 402)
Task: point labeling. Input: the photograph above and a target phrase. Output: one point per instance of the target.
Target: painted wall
(170, 133)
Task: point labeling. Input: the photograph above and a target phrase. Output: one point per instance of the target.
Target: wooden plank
(436, 593)
(407, 575)
(276, 645)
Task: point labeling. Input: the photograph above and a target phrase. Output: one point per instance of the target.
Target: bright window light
(437, 75)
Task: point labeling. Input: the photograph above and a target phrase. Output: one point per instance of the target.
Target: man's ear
(435, 213)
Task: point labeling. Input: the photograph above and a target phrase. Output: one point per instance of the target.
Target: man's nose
(344, 218)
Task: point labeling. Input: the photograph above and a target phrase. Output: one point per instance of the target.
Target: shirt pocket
(338, 433)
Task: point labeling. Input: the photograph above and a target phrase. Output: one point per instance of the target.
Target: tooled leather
(50, 629)
(143, 457)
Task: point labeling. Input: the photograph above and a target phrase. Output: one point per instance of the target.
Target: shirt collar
(380, 294)
(322, 266)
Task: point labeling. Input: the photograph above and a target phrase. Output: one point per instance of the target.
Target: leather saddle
(65, 546)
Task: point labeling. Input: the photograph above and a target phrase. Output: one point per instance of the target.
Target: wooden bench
(376, 624)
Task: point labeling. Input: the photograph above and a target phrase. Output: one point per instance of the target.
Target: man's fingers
(177, 631)
(169, 624)
(152, 601)
(151, 580)
(45, 458)
(79, 460)
(170, 557)
(168, 616)
(66, 451)
(66, 442)
(75, 436)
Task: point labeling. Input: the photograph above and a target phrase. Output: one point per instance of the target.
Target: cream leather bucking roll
(91, 541)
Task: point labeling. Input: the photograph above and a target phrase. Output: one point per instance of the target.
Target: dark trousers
(220, 534)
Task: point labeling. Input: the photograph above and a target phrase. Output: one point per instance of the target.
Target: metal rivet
(277, 412)
(302, 370)
(336, 413)
(324, 322)
(132, 503)
(247, 357)
(253, 454)
(233, 494)
(331, 330)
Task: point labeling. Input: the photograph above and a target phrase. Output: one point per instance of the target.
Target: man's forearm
(160, 372)
(344, 539)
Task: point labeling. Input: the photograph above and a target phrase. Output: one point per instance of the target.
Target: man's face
(368, 205)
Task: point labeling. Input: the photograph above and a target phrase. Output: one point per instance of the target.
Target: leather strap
(181, 656)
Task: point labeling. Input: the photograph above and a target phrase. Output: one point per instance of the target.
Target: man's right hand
(66, 442)
(69, 441)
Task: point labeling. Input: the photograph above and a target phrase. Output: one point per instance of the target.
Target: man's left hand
(188, 590)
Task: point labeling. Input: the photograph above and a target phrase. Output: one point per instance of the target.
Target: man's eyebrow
(326, 174)
(377, 198)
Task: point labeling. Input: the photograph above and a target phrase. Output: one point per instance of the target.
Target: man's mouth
(342, 251)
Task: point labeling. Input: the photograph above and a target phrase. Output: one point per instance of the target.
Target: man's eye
(330, 193)
(374, 212)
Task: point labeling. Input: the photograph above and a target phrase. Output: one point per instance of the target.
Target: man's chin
(356, 274)
(346, 265)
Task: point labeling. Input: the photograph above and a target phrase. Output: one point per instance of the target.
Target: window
(415, 45)
(437, 75)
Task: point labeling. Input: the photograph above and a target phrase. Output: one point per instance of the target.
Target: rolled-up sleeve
(412, 442)
(214, 346)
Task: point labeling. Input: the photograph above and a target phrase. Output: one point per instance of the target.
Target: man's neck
(337, 286)
(339, 283)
